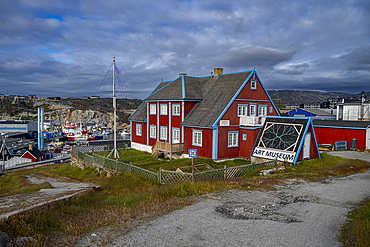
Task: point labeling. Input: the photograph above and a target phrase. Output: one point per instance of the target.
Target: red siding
(246, 147)
(139, 139)
(326, 135)
(248, 93)
(28, 155)
(206, 149)
(314, 149)
(176, 120)
(224, 151)
(246, 97)
(152, 121)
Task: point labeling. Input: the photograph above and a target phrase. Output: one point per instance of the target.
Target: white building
(354, 110)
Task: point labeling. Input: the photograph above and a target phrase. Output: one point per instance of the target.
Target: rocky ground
(299, 213)
(73, 110)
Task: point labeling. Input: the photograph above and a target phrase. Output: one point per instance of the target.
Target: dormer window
(254, 85)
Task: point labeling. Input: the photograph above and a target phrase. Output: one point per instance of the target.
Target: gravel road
(297, 214)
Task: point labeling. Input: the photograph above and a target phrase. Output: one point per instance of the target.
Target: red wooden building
(219, 115)
(34, 155)
(331, 131)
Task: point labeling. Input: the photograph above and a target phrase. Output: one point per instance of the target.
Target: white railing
(252, 120)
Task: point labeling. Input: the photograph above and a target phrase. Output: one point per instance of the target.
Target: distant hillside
(291, 97)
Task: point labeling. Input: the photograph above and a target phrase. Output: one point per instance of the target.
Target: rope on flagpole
(104, 78)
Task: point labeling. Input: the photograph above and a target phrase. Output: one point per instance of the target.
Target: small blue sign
(192, 153)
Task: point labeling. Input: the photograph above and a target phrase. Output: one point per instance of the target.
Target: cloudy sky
(65, 48)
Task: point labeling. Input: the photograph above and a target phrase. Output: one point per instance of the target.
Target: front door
(176, 135)
(306, 146)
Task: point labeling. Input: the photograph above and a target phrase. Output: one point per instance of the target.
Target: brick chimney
(182, 74)
(30, 147)
(218, 71)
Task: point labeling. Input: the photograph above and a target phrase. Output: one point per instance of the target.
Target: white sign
(274, 154)
(224, 122)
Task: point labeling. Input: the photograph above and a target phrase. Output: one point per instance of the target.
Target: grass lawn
(125, 199)
(145, 160)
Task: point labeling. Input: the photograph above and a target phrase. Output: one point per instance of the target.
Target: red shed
(331, 131)
(34, 155)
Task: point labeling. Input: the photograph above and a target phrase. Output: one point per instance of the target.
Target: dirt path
(63, 188)
(297, 214)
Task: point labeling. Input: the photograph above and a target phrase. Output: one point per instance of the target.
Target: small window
(270, 109)
(138, 129)
(152, 109)
(163, 109)
(254, 85)
(252, 109)
(244, 137)
(163, 133)
(242, 110)
(197, 138)
(262, 110)
(153, 131)
(176, 110)
(233, 139)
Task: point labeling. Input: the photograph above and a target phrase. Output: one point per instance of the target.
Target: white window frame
(232, 139)
(244, 109)
(153, 131)
(176, 110)
(174, 138)
(253, 113)
(163, 134)
(138, 129)
(262, 109)
(253, 85)
(163, 109)
(153, 109)
(197, 139)
(270, 109)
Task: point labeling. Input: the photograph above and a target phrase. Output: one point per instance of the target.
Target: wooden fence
(164, 176)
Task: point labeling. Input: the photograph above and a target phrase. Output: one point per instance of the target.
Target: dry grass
(357, 230)
(16, 183)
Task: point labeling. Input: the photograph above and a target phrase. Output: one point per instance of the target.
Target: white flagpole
(114, 151)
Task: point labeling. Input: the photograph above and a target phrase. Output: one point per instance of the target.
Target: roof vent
(182, 74)
(218, 71)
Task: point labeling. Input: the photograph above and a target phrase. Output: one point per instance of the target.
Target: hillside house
(33, 154)
(219, 115)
